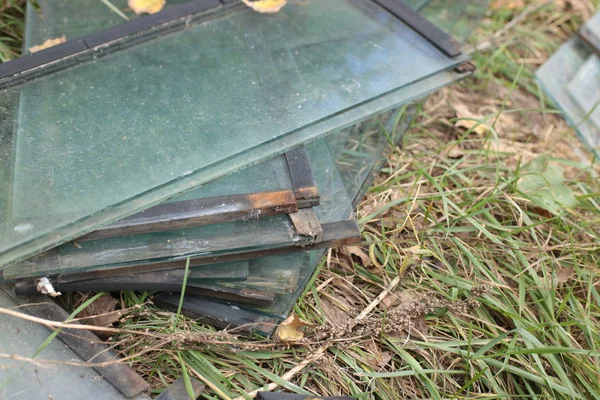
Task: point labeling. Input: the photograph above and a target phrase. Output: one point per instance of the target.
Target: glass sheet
(231, 271)
(119, 134)
(356, 160)
(277, 274)
(583, 90)
(570, 79)
(22, 380)
(362, 148)
(593, 25)
(204, 241)
(457, 18)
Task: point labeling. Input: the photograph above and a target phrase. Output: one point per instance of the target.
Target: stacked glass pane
(234, 141)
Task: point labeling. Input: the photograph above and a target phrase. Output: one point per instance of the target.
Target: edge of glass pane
(554, 78)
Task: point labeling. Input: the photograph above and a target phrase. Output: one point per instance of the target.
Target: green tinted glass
(358, 162)
(199, 242)
(106, 138)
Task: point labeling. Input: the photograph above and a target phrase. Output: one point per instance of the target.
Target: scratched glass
(91, 144)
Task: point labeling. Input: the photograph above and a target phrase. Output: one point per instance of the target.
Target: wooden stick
(290, 374)
(379, 298)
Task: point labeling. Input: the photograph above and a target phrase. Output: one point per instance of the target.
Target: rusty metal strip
(303, 179)
(198, 212)
(307, 224)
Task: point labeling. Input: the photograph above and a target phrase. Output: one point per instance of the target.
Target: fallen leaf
(564, 275)
(350, 251)
(291, 330)
(48, 43)
(471, 121)
(333, 314)
(376, 357)
(265, 6)
(146, 6)
(101, 312)
(508, 4)
(453, 151)
(394, 299)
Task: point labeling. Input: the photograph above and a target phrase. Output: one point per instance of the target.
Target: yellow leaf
(146, 6)
(48, 43)
(508, 4)
(290, 330)
(265, 6)
(476, 126)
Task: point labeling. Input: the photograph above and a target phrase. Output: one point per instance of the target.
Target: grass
(492, 293)
(12, 14)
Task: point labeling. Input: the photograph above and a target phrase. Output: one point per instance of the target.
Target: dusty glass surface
(209, 240)
(104, 139)
(74, 19)
(570, 79)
